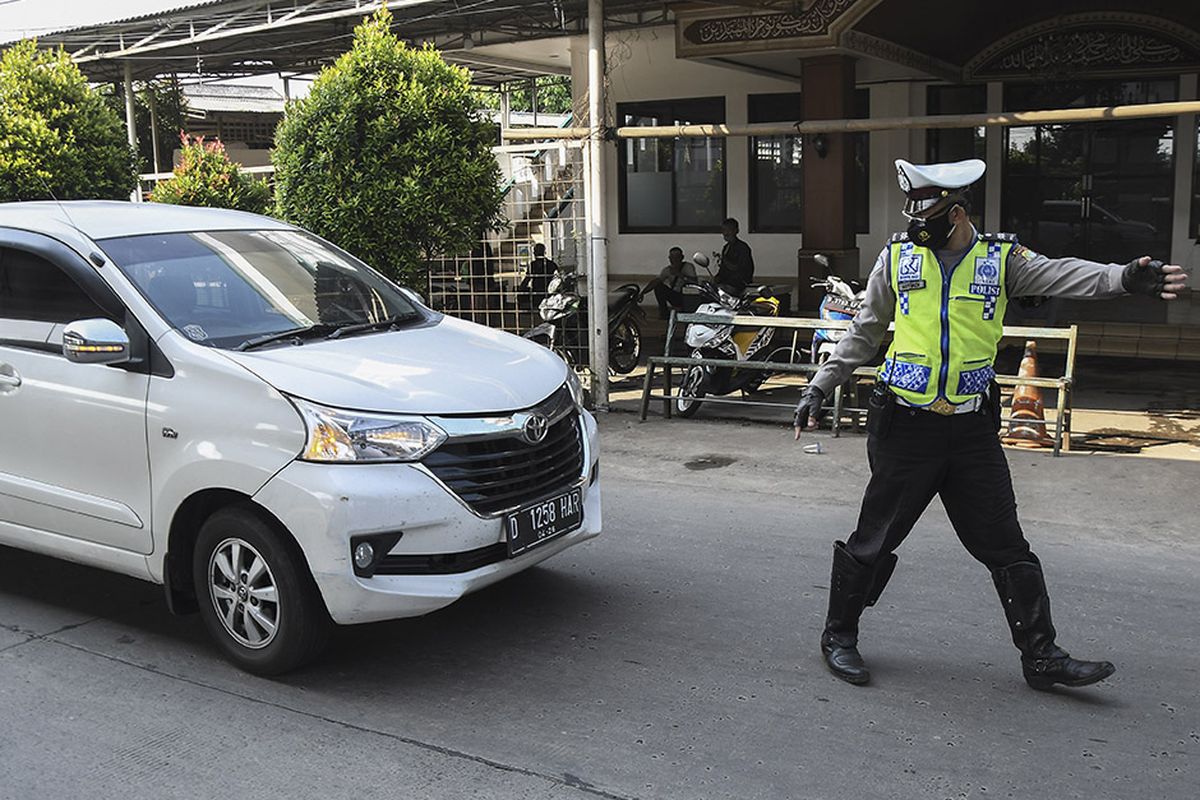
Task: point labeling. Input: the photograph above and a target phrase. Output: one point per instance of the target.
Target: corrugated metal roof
(245, 37)
(46, 24)
(216, 97)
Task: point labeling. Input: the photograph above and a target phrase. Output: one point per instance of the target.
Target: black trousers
(958, 458)
(676, 300)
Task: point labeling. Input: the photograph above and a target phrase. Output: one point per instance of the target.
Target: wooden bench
(1061, 384)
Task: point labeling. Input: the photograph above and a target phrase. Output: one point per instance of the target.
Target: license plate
(539, 523)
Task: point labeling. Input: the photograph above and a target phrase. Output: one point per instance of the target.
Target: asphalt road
(673, 657)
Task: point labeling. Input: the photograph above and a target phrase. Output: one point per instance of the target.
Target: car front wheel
(255, 593)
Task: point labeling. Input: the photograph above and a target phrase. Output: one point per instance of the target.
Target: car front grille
(494, 474)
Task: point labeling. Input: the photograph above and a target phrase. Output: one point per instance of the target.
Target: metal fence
(498, 283)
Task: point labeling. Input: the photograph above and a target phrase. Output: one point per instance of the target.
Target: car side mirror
(95, 341)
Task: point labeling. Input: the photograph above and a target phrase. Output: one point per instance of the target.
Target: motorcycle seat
(761, 308)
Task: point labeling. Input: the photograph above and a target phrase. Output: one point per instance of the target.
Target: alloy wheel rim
(244, 593)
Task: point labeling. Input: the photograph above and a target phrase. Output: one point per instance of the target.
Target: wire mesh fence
(532, 271)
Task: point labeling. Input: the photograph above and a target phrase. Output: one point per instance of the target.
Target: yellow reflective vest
(949, 320)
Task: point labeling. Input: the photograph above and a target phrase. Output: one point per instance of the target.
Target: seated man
(668, 286)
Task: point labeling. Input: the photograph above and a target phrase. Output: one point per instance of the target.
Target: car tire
(256, 595)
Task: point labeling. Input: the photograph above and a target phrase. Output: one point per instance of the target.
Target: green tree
(206, 177)
(57, 135)
(388, 157)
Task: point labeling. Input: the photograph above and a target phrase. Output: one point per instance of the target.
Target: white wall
(891, 99)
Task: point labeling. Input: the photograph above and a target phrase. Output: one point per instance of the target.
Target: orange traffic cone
(1027, 426)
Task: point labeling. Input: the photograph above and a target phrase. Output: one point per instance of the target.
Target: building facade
(1108, 191)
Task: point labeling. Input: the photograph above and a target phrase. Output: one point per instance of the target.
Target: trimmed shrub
(206, 177)
(388, 156)
(57, 135)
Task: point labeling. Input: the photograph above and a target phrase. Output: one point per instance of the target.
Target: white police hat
(927, 185)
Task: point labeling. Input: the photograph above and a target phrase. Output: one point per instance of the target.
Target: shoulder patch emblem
(1023, 252)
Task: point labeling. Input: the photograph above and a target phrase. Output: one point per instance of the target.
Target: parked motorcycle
(725, 341)
(564, 323)
(842, 301)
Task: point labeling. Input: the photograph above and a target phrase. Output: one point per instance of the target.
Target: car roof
(107, 219)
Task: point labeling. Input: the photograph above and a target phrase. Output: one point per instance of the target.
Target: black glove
(808, 407)
(1148, 279)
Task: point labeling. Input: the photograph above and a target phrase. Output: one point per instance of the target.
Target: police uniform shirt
(1028, 274)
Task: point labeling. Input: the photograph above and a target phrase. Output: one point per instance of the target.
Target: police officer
(934, 416)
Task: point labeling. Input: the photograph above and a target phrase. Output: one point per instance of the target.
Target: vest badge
(987, 276)
(908, 276)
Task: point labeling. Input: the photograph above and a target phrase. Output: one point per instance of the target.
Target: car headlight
(339, 436)
(575, 387)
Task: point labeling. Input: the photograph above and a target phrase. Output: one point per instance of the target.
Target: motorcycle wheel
(625, 347)
(691, 389)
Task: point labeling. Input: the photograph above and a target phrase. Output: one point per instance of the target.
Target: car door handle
(9, 379)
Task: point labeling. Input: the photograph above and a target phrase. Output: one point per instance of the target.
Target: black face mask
(933, 232)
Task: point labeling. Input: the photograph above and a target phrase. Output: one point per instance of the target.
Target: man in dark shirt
(537, 277)
(737, 263)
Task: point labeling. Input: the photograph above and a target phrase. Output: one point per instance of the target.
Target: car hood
(449, 367)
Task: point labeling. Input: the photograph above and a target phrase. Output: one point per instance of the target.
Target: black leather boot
(852, 587)
(1022, 590)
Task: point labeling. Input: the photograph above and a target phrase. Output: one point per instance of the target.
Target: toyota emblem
(535, 428)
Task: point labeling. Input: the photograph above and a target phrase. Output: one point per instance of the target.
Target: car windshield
(233, 289)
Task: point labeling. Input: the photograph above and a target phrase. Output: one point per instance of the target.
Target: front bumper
(324, 505)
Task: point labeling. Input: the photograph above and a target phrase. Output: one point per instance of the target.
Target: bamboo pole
(993, 119)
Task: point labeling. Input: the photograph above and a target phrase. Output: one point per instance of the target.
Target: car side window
(35, 289)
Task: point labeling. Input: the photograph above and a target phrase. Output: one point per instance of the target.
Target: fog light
(364, 555)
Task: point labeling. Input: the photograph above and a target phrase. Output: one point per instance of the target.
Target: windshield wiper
(299, 334)
(363, 327)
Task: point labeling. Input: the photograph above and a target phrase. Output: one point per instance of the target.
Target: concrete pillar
(994, 143)
(1185, 249)
(598, 252)
(829, 185)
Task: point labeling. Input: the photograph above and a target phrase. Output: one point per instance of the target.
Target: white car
(234, 408)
